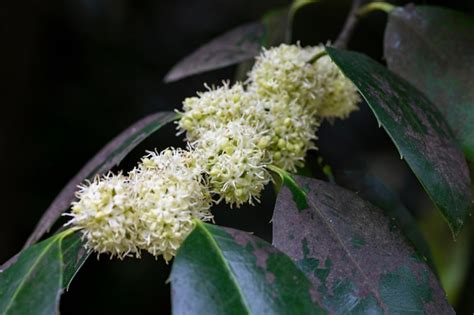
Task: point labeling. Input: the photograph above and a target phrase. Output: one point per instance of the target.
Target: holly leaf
(109, 156)
(224, 271)
(34, 282)
(380, 195)
(74, 256)
(356, 256)
(419, 132)
(432, 48)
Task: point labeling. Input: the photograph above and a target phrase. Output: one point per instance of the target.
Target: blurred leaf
(33, 284)
(109, 156)
(419, 132)
(374, 190)
(277, 30)
(298, 4)
(452, 258)
(240, 44)
(356, 257)
(278, 25)
(433, 49)
(225, 271)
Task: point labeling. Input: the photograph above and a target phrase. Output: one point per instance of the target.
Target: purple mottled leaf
(418, 130)
(237, 45)
(356, 256)
(433, 49)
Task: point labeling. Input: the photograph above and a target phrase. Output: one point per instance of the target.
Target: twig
(349, 25)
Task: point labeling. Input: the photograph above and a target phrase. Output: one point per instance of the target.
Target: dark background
(76, 73)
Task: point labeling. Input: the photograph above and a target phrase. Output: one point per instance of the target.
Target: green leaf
(34, 282)
(452, 257)
(419, 132)
(109, 156)
(433, 49)
(240, 44)
(356, 257)
(374, 190)
(225, 271)
(74, 256)
(278, 26)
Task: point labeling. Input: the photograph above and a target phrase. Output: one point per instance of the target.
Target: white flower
(291, 132)
(215, 108)
(152, 209)
(105, 215)
(234, 157)
(169, 194)
(319, 87)
(285, 72)
(339, 94)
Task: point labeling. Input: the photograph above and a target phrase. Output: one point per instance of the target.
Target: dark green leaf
(110, 155)
(356, 257)
(224, 271)
(74, 256)
(418, 130)
(433, 49)
(375, 191)
(278, 24)
(33, 284)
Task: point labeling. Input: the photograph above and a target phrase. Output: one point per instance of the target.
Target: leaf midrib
(27, 275)
(287, 177)
(348, 253)
(221, 256)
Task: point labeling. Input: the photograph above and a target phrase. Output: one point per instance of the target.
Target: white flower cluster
(234, 161)
(234, 133)
(285, 73)
(279, 108)
(105, 214)
(152, 209)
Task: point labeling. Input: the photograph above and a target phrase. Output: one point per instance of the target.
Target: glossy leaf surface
(433, 49)
(356, 256)
(380, 195)
(34, 282)
(74, 256)
(419, 132)
(225, 271)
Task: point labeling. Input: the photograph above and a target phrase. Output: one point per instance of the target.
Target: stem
(349, 25)
(317, 56)
(276, 170)
(373, 6)
(327, 170)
